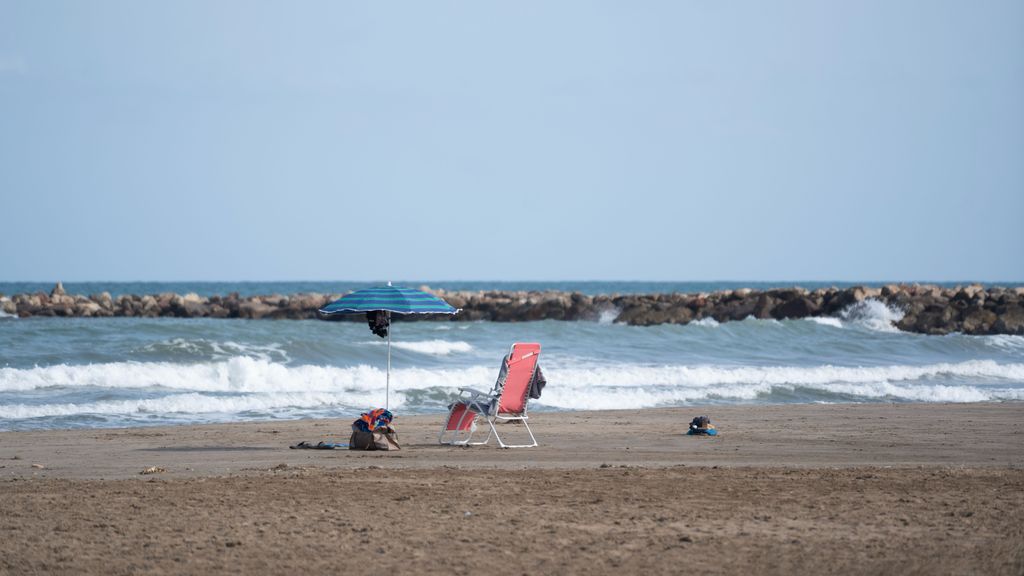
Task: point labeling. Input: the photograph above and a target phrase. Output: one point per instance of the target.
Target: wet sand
(846, 489)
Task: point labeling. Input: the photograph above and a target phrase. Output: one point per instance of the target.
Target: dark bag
(379, 439)
(700, 423)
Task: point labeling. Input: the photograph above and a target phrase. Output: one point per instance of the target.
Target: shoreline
(778, 435)
(839, 489)
(926, 309)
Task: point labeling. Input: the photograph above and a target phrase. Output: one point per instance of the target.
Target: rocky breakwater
(925, 309)
(168, 304)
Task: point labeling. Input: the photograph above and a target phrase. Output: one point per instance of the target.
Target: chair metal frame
(487, 405)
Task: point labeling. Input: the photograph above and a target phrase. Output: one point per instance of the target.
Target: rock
(650, 314)
(58, 290)
(973, 290)
(977, 320)
(307, 303)
(275, 300)
(735, 310)
(801, 307)
(763, 308)
(935, 320)
(1011, 321)
(61, 300)
(7, 306)
(890, 290)
(103, 299)
(843, 299)
(148, 307)
(87, 309)
(254, 309)
(908, 323)
(191, 309)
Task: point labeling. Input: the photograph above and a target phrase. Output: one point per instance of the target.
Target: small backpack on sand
(701, 425)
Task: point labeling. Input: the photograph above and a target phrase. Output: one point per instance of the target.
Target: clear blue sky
(510, 140)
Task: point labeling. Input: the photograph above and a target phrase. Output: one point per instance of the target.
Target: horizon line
(530, 281)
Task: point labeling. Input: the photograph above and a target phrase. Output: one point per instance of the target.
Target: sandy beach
(845, 489)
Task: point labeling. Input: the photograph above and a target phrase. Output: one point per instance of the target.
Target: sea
(60, 373)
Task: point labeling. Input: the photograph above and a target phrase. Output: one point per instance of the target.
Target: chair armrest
(475, 392)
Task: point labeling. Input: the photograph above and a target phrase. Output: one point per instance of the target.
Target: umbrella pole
(387, 386)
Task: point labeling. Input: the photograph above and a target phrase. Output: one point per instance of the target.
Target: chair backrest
(521, 364)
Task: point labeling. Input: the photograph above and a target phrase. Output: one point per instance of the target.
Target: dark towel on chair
(537, 383)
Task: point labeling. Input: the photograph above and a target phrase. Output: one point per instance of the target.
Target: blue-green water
(59, 372)
(340, 287)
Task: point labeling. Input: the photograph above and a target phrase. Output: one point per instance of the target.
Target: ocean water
(82, 373)
(340, 287)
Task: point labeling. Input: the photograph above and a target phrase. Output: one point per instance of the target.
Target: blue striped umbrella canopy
(393, 299)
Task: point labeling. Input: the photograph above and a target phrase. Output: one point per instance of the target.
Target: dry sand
(846, 489)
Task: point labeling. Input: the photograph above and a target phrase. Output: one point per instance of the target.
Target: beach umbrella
(379, 304)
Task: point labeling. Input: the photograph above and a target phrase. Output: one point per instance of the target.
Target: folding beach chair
(505, 402)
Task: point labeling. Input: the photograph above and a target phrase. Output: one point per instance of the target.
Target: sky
(482, 140)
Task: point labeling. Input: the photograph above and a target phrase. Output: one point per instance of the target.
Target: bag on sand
(702, 426)
(385, 438)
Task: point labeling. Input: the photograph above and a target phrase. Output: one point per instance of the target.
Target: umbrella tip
(389, 282)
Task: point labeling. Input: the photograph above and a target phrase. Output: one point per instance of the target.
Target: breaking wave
(240, 374)
(708, 322)
(243, 385)
(608, 316)
(203, 348)
(1004, 341)
(186, 404)
(873, 314)
(434, 347)
(244, 374)
(826, 321)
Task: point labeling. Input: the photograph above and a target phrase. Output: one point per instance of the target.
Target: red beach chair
(505, 402)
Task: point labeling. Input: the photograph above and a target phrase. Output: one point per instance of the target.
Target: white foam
(188, 404)
(647, 386)
(873, 314)
(639, 375)
(708, 322)
(1004, 341)
(434, 347)
(608, 316)
(576, 383)
(219, 350)
(6, 315)
(826, 321)
(617, 398)
(241, 374)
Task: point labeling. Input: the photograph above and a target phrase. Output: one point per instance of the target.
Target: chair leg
(533, 440)
(490, 432)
